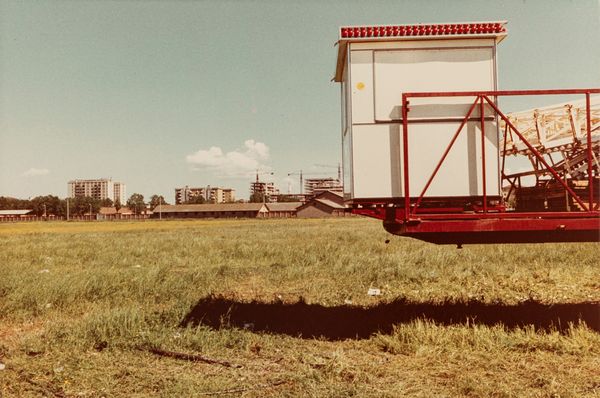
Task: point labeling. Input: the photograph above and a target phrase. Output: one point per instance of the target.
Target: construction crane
(298, 173)
(263, 173)
(338, 167)
(301, 175)
(259, 187)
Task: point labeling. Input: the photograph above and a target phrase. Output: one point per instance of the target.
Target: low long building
(15, 213)
(283, 209)
(220, 210)
(111, 213)
(325, 204)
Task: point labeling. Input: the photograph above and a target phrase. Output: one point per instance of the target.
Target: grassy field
(279, 308)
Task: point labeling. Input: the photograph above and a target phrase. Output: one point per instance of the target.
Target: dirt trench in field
(347, 321)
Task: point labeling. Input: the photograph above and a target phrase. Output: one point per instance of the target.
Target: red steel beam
(501, 231)
(379, 212)
(504, 225)
(504, 148)
(482, 118)
(503, 93)
(588, 117)
(405, 155)
(502, 215)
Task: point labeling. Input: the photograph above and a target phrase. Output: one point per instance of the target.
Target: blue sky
(160, 94)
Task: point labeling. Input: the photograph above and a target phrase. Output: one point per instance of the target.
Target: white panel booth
(374, 74)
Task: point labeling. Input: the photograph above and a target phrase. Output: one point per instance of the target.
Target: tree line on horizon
(79, 206)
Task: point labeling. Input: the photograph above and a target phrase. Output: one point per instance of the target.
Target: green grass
(81, 303)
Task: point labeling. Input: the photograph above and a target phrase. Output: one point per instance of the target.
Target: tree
(258, 197)
(106, 202)
(78, 206)
(83, 204)
(136, 203)
(118, 205)
(62, 211)
(195, 200)
(7, 203)
(47, 205)
(51, 205)
(155, 200)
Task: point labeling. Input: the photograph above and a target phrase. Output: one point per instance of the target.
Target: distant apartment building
(209, 194)
(103, 188)
(223, 195)
(119, 192)
(315, 186)
(267, 189)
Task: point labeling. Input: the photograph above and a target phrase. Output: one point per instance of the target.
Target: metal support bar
(503, 93)
(512, 184)
(504, 153)
(589, 150)
(482, 119)
(405, 156)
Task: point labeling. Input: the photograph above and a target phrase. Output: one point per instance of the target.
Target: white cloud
(33, 172)
(237, 163)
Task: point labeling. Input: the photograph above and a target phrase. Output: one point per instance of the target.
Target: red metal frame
(489, 223)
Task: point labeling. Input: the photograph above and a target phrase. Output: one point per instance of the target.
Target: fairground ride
(426, 145)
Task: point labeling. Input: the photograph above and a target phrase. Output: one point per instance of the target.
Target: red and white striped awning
(424, 30)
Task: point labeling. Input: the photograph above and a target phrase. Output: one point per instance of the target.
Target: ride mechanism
(427, 149)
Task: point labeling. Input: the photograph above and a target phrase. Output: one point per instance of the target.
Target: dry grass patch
(82, 303)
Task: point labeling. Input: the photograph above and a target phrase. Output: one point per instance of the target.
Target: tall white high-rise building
(100, 189)
(119, 192)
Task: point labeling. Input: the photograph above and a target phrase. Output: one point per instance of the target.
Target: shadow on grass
(348, 321)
